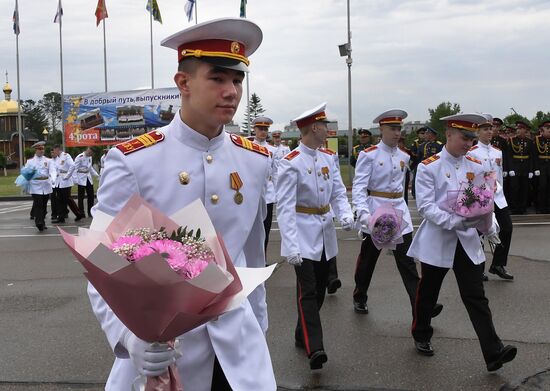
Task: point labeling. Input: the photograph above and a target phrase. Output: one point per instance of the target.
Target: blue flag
(16, 20)
(189, 9)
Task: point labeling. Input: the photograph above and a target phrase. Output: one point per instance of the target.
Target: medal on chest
(498, 161)
(402, 165)
(235, 182)
(325, 171)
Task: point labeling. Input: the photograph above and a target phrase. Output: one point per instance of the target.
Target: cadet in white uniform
(84, 174)
(64, 167)
(308, 186)
(491, 159)
(379, 178)
(193, 157)
(41, 186)
(261, 128)
(446, 240)
(279, 149)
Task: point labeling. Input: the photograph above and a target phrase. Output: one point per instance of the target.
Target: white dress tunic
(436, 239)
(236, 338)
(310, 178)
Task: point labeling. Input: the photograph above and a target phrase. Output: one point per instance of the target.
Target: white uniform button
(214, 198)
(209, 158)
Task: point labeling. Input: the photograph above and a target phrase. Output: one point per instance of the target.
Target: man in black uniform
(520, 149)
(431, 146)
(542, 167)
(364, 143)
(415, 153)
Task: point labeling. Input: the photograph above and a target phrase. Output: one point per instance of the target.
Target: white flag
(59, 13)
(189, 9)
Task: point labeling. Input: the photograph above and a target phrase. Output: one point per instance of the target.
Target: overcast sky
(486, 55)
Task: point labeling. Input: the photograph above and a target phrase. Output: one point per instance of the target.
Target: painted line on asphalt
(14, 209)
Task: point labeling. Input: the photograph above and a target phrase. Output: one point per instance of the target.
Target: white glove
(470, 223)
(364, 219)
(512, 173)
(294, 260)
(493, 239)
(150, 359)
(530, 175)
(537, 173)
(504, 174)
(347, 223)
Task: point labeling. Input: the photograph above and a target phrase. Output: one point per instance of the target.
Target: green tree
(442, 110)
(51, 106)
(255, 109)
(36, 120)
(539, 118)
(511, 119)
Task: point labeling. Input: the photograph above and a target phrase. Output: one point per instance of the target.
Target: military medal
(402, 164)
(184, 177)
(497, 161)
(325, 172)
(236, 183)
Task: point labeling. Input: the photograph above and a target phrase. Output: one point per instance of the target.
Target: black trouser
(267, 225)
(311, 285)
(520, 193)
(219, 381)
(366, 262)
(332, 270)
(500, 256)
(39, 208)
(89, 190)
(413, 186)
(470, 285)
(53, 202)
(543, 204)
(61, 195)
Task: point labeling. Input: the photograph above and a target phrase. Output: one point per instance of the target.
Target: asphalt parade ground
(50, 339)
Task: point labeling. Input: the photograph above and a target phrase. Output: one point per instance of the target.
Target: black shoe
(506, 354)
(501, 272)
(54, 218)
(333, 286)
(40, 227)
(58, 221)
(360, 308)
(437, 310)
(484, 277)
(317, 359)
(424, 348)
(78, 218)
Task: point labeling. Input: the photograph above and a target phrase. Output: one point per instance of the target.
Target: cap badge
(235, 47)
(235, 182)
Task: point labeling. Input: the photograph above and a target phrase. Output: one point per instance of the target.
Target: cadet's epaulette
(292, 155)
(243, 142)
(473, 148)
(473, 159)
(327, 151)
(373, 148)
(140, 142)
(431, 159)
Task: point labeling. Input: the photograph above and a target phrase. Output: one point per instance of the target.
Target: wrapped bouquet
(23, 180)
(386, 227)
(475, 198)
(162, 276)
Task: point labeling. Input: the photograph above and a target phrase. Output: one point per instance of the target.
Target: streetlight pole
(345, 50)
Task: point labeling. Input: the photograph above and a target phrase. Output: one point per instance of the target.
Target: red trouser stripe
(302, 319)
(416, 305)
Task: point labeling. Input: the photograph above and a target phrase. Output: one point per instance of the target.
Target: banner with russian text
(112, 117)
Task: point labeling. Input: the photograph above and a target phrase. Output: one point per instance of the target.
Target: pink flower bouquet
(475, 198)
(386, 227)
(162, 280)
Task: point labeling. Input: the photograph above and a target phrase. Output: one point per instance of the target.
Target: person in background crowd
(64, 166)
(542, 167)
(492, 159)
(41, 184)
(84, 177)
(364, 143)
(415, 153)
(520, 149)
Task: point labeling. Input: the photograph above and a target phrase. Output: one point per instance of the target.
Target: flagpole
(19, 124)
(196, 12)
(105, 54)
(61, 70)
(151, 33)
